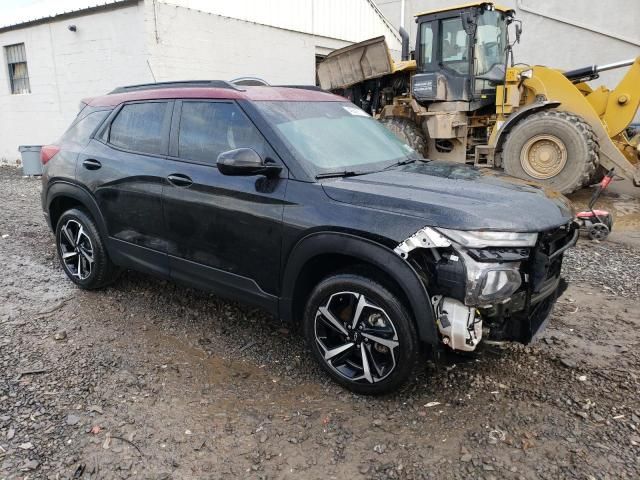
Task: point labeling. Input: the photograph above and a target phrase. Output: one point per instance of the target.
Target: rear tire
(361, 334)
(407, 131)
(82, 252)
(556, 149)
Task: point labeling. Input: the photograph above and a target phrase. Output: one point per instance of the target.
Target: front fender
(369, 252)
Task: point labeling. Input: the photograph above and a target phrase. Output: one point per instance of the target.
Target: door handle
(179, 180)
(91, 164)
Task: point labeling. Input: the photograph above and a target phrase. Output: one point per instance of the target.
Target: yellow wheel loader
(462, 98)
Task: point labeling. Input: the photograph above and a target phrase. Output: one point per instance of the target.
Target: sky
(15, 11)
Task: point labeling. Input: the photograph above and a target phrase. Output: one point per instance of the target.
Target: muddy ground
(147, 379)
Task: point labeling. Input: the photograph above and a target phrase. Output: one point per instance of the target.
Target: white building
(52, 63)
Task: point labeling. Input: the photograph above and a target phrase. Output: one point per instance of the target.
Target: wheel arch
(514, 118)
(322, 253)
(62, 196)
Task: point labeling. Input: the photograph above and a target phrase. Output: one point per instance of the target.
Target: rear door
(125, 167)
(225, 232)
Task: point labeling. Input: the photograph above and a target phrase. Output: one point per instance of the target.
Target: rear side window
(210, 128)
(141, 127)
(82, 128)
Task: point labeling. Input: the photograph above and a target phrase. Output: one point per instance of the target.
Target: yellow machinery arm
(621, 103)
(608, 112)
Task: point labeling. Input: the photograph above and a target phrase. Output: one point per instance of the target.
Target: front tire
(82, 252)
(361, 334)
(556, 149)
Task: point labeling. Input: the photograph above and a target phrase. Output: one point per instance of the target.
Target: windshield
(333, 137)
(491, 37)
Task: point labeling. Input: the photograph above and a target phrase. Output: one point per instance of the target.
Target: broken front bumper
(523, 318)
(504, 292)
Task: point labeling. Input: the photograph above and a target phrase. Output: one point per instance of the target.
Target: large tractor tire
(556, 149)
(407, 131)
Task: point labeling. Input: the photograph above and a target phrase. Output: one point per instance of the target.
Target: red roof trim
(249, 93)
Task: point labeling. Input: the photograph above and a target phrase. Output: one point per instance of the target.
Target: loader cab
(461, 54)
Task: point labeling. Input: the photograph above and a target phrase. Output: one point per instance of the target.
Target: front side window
(491, 38)
(209, 128)
(454, 45)
(17, 63)
(140, 127)
(334, 136)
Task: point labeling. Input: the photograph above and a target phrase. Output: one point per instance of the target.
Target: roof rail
(178, 84)
(303, 87)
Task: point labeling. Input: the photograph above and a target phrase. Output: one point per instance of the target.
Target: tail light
(48, 152)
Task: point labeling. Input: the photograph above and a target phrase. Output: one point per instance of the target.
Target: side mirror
(245, 162)
(518, 32)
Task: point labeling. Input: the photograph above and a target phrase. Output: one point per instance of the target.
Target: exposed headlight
(475, 239)
(499, 285)
(490, 282)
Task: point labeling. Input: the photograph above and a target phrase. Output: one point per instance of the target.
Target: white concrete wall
(351, 20)
(108, 49)
(189, 44)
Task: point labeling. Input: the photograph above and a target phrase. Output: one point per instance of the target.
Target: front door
(124, 167)
(224, 232)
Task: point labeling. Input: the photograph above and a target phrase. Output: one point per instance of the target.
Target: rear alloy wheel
(81, 251)
(76, 250)
(360, 334)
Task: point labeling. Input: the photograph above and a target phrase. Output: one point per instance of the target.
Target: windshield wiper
(343, 173)
(406, 161)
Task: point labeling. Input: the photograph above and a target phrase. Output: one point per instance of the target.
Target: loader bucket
(355, 63)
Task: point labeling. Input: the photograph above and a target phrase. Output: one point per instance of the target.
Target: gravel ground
(147, 379)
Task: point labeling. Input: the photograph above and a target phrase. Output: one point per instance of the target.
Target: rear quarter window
(141, 127)
(83, 127)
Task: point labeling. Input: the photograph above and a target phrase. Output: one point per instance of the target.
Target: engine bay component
(426, 237)
(460, 326)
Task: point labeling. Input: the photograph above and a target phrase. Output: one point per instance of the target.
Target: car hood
(451, 195)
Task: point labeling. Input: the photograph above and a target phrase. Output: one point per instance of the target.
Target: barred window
(18, 73)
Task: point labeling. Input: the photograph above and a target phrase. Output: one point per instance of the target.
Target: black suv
(298, 202)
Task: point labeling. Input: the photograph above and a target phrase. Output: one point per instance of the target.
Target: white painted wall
(351, 20)
(188, 44)
(108, 49)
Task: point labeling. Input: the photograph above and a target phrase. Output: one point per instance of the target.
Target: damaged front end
(500, 286)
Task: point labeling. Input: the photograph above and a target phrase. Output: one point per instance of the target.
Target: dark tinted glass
(139, 127)
(209, 128)
(81, 129)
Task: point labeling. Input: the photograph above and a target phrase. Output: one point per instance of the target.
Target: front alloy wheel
(357, 337)
(360, 333)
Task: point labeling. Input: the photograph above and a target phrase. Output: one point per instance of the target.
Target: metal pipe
(613, 66)
(402, 13)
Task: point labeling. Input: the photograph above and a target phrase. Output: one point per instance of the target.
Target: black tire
(577, 137)
(407, 131)
(392, 323)
(101, 271)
